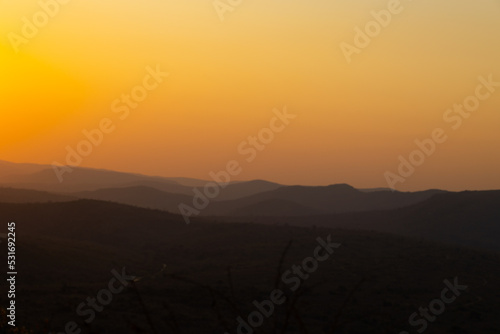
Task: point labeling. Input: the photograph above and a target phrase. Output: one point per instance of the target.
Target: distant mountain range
(242, 198)
(303, 200)
(43, 178)
(465, 218)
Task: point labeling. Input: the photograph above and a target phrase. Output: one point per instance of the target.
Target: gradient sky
(353, 120)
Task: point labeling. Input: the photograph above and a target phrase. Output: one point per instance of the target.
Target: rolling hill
(201, 277)
(469, 218)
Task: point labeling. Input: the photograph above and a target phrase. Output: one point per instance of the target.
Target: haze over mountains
(465, 218)
(260, 198)
(42, 177)
(396, 247)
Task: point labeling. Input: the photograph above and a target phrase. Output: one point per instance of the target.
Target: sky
(230, 71)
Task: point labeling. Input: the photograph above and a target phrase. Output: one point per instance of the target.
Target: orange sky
(225, 78)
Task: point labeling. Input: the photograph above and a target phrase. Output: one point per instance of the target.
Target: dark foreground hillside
(200, 278)
(469, 218)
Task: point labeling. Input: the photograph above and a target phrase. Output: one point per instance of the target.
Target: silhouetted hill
(241, 189)
(281, 201)
(369, 190)
(320, 200)
(43, 178)
(213, 272)
(256, 198)
(11, 169)
(85, 219)
(10, 195)
(148, 197)
(141, 196)
(469, 218)
(273, 207)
